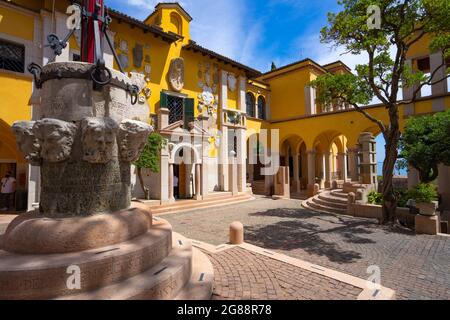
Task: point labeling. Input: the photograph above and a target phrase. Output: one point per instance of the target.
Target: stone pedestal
(87, 242)
(282, 184)
(427, 224)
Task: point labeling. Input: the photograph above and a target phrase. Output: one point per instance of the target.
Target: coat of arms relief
(176, 74)
(208, 81)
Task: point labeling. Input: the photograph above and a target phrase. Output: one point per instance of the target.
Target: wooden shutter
(163, 102)
(188, 112)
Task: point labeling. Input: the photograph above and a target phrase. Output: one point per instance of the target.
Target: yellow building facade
(226, 102)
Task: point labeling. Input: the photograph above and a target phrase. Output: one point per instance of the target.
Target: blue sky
(254, 32)
(257, 32)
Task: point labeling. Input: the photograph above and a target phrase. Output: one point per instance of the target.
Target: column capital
(312, 152)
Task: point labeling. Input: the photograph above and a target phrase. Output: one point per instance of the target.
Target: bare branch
(370, 117)
(429, 82)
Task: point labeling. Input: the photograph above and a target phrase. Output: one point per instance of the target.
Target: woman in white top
(8, 188)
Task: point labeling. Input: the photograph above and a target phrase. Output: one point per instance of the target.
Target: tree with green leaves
(402, 23)
(425, 144)
(150, 159)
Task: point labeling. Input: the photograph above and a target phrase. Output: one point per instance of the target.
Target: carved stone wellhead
(84, 142)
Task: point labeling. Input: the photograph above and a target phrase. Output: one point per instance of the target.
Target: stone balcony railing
(233, 118)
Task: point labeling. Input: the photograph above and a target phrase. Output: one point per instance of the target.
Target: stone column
(198, 173)
(413, 177)
(310, 101)
(242, 105)
(353, 163)
(297, 172)
(233, 175)
(241, 159)
(223, 160)
(368, 165)
(342, 166)
(311, 171)
(328, 158)
(171, 186)
(439, 88)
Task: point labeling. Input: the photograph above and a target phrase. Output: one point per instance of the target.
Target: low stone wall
(371, 211)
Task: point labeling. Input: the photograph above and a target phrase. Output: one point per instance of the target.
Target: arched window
(261, 108)
(250, 101)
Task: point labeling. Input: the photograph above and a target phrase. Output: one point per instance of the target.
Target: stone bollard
(236, 233)
(360, 195)
(316, 189)
(351, 198)
(334, 185)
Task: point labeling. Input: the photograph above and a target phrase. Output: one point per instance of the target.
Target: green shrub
(375, 197)
(423, 192)
(402, 195)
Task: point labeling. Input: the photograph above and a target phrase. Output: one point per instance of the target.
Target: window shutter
(188, 112)
(163, 103)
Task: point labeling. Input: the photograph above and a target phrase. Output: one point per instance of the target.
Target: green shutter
(163, 102)
(188, 112)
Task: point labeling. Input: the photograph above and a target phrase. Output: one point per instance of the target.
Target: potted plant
(425, 196)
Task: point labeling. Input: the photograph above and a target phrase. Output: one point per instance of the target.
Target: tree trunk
(392, 137)
(144, 188)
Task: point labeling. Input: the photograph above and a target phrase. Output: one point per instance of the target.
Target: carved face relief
(132, 138)
(27, 142)
(56, 138)
(176, 74)
(98, 137)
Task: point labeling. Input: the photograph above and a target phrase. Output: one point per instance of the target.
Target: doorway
(12, 167)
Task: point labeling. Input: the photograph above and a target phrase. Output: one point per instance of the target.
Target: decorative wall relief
(208, 76)
(123, 45)
(56, 138)
(27, 142)
(140, 80)
(176, 74)
(208, 102)
(232, 82)
(98, 136)
(124, 61)
(138, 55)
(132, 138)
(147, 69)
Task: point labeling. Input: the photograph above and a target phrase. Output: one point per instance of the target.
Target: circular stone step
(164, 281)
(46, 276)
(33, 234)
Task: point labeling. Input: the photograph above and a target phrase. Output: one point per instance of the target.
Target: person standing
(8, 188)
(176, 188)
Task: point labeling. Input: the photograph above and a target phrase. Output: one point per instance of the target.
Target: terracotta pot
(427, 209)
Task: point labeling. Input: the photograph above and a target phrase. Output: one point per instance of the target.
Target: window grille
(175, 106)
(12, 56)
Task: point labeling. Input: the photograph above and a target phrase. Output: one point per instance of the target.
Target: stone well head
(84, 141)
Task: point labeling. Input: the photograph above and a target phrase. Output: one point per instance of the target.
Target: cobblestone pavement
(241, 274)
(415, 266)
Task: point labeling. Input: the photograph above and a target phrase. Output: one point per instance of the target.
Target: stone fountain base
(133, 259)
